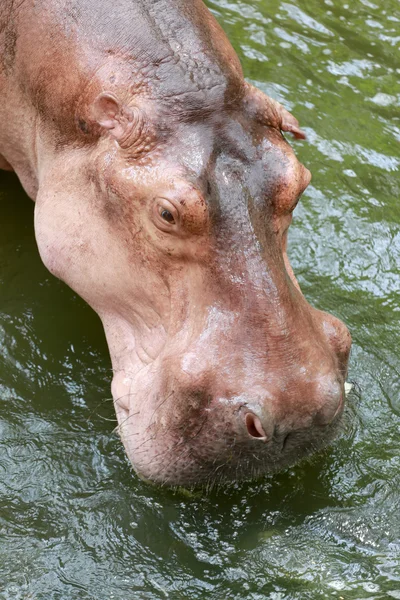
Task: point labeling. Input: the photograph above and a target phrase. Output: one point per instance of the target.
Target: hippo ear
(112, 116)
(289, 123)
(269, 112)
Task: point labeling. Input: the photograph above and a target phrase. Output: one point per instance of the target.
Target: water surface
(75, 522)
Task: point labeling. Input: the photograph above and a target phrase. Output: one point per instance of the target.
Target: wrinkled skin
(164, 190)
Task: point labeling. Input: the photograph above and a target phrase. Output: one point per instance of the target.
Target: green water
(75, 522)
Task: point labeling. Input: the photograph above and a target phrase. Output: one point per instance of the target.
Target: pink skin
(168, 212)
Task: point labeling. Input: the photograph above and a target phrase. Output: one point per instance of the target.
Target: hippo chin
(164, 191)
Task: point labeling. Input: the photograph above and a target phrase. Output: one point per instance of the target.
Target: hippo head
(172, 222)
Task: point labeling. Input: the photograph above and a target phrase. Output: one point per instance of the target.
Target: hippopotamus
(164, 190)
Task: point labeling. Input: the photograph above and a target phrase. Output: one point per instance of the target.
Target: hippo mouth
(220, 442)
(197, 461)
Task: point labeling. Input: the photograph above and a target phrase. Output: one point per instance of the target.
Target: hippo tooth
(347, 388)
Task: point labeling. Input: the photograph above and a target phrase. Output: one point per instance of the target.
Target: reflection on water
(74, 521)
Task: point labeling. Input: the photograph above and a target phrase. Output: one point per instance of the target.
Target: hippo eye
(167, 216)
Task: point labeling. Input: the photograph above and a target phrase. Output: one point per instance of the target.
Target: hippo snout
(216, 416)
(236, 394)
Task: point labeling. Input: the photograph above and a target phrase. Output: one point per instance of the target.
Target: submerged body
(164, 191)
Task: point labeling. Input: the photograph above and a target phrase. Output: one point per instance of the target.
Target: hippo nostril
(254, 427)
(285, 441)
